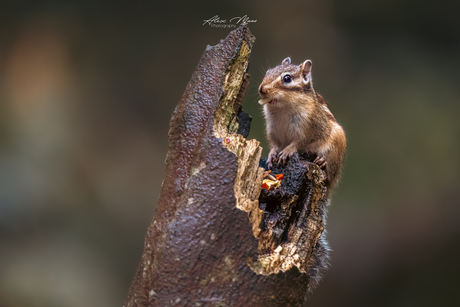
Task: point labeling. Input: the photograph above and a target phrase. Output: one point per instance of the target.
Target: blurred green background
(86, 93)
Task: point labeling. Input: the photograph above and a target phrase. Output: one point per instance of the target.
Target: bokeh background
(86, 93)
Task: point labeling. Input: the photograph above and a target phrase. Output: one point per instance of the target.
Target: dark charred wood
(292, 226)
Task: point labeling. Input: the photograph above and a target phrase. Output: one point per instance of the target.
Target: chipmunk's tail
(321, 253)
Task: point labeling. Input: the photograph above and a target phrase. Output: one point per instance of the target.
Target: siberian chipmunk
(298, 119)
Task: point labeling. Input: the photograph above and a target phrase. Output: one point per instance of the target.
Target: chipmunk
(298, 119)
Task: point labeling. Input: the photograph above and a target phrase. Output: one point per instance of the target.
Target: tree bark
(210, 244)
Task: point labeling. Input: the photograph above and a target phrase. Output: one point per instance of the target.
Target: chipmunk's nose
(263, 89)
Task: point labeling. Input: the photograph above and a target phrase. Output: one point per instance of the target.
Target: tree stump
(213, 241)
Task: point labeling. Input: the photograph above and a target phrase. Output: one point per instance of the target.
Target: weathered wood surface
(201, 248)
(293, 222)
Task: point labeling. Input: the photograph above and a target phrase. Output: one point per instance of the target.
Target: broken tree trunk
(211, 242)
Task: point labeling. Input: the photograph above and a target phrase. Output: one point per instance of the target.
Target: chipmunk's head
(287, 84)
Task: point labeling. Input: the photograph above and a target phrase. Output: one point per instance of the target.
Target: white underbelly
(285, 130)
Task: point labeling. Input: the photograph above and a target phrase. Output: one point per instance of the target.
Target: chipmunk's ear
(305, 68)
(286, 61)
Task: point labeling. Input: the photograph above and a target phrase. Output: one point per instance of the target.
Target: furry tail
(321, 253)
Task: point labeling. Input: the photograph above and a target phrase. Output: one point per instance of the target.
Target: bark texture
(202, 248)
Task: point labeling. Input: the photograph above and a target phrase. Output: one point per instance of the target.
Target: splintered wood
(290, 224)
(293, 219)
(247, 183)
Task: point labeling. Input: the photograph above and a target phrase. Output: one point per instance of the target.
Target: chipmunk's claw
(321, 161)
(284, 155)
(271, 158)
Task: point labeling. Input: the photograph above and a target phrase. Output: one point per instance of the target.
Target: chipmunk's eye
(287, 78)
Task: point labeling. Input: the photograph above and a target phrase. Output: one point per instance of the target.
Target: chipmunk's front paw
(286, 153)
(321, 161)
(272, 156)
